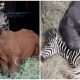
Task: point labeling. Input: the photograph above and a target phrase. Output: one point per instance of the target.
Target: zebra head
(50, 48)
(2, 3)
(51, 33)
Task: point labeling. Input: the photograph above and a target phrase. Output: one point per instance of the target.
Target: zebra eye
(7, 25)
(54, 36)
(4, 15)
(48, 44)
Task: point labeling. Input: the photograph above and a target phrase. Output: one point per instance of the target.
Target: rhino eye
(69, 21)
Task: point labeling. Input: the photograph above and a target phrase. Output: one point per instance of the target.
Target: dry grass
(56, 67)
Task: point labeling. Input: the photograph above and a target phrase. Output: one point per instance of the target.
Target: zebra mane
(53, 33)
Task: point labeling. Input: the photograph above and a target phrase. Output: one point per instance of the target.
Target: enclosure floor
(28, 69)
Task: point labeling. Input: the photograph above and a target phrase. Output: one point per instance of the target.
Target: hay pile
(28, 69)
(56, 66)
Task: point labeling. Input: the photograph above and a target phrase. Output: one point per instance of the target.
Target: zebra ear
(55, 30)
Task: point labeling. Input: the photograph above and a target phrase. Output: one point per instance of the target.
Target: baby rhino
(70, 26)
(15, 47)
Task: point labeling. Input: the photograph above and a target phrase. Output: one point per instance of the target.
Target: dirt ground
(54, 67)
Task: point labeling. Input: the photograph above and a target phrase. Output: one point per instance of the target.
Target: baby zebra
(57, 45)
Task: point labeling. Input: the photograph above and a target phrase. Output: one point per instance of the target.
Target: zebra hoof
(42, 58)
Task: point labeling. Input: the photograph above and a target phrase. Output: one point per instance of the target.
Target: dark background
(23, 14)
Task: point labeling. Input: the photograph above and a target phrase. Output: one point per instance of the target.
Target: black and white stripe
(47, 51)
(57, 45)
(5, 23)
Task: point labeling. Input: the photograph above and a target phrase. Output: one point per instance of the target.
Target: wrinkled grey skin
(70, 26)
